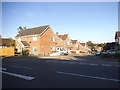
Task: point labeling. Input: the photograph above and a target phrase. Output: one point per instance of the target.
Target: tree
(90, 45)
(20, 29)
(12, 43)
(101, 45)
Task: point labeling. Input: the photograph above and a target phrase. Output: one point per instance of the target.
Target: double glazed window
(34, 38)
(34, 49)
(19, 39)
(52, 39)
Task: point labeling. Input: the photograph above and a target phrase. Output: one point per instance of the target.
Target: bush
(25, 52)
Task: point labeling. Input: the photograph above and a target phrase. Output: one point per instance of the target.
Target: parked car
(97, 53)
(118, 52)
(55, 54)
(110, 52)
(104, 52)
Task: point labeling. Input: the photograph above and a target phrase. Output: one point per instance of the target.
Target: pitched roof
(5, 42)
(74, 41)
(83, 44)
(60, 36)
(32, 31)
(117, 34)
(63, 37)
(25, 43)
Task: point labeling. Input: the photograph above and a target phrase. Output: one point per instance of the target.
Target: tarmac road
(83, 72)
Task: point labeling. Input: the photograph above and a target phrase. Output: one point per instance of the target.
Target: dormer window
(34, 38)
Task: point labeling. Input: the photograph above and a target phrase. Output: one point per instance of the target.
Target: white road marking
(88, 76)
(94, 64)
(74, 58)
(3, 69)
(18, 75)
(17, 66)
(1, 57)
(106, 65)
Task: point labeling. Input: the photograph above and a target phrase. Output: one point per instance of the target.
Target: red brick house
(98, 49)
(66, 42)
(38, 40)
(59, 42)
(75, 46)
(84, 48)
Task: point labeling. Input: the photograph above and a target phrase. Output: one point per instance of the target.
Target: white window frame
(34, 38)
(34, 49)
(52, 48)
(53, 39)
(57, 48)
(19, 39)
(76, 45)
(68, 43)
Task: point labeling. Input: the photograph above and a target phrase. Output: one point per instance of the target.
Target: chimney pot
(24, 28)
(57, 33)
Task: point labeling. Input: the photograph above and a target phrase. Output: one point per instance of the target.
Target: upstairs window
(52, 39)
(68, 43)
(19, 39)
(76, 45)
(34, 38)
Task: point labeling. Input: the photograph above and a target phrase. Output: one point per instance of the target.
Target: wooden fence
(7, 51)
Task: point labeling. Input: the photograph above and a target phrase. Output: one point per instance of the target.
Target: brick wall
(46, 42)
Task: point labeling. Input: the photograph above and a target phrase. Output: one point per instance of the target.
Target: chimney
(57, 33)
(24, 28)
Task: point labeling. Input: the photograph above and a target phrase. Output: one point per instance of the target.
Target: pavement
(87, 71)
(78, 57)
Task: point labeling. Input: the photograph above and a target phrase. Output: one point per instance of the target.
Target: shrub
(25, 52)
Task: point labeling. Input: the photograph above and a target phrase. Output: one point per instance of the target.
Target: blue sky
(95, 21)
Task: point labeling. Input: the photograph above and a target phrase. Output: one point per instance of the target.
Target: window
(76, 45)
(58, 48)
(51, 48)
(22, 48)
(67, 43)
(52, 39)
(34, 49)
(19, 39)
(34, 38)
